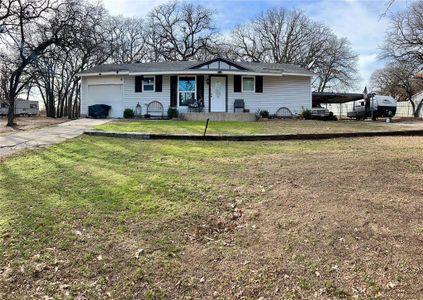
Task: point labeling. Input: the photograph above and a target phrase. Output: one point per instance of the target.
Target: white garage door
(110, 94)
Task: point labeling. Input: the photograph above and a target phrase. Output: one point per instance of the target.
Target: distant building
(22, 107)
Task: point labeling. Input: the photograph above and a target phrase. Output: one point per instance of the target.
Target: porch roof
(191, 67)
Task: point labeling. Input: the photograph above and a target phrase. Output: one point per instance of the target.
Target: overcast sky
(358, 20)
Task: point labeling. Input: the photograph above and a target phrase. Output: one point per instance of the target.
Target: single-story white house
(216, 83)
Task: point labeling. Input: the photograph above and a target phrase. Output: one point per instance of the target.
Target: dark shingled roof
(179, 66)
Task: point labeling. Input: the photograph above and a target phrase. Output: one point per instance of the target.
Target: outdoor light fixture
(138, 110)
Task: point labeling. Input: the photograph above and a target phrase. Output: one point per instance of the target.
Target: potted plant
(172, 113)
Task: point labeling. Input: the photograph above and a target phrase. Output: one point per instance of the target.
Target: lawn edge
(255, 137)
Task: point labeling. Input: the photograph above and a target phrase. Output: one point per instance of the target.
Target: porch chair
(239, 105)
(155, 109)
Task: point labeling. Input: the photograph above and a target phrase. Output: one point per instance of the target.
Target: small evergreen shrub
(306, 114)
(172, 112)
(128, 113)
(264, 114)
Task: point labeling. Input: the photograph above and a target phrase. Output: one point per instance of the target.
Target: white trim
(311, 93)
(254, 84)
(154, 84)
(219, 62)
(177, 90)
(192, 72)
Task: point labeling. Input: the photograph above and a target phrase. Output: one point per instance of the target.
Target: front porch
(217, 116)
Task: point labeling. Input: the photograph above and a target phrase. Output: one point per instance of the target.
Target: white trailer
(374, 106)
(22, 108)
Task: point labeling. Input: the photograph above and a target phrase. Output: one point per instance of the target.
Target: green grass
(89, 193)
(242, 128)
(112, 218)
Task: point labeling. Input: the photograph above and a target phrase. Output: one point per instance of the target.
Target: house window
(33, 106)
(148, 83)
(248, 84)
(186, 90)
(3, 105)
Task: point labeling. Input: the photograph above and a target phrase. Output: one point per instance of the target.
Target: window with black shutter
(173, 91)
(159, 83)
(138, 84)
(259, 84)
(237, 83)
(200, 88)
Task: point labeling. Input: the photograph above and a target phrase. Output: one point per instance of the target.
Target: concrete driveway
(41, 137)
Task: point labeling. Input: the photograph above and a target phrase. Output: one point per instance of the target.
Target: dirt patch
(311, 220)
(317, 225)
(27, 123)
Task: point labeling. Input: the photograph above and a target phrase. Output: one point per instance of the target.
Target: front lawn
(262, 127)
(99, 218)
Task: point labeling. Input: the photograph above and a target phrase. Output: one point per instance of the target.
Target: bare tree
(246, 46)
(36, 26)
(336, 66)
(7, 8)
(180, 31)
(89, 43)
(398, 80)
(283, 36)
(3, 83)
(130, 40)
(404, 39)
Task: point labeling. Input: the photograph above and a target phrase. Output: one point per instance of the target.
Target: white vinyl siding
(131, 99)
(206, 94)
(293, 92)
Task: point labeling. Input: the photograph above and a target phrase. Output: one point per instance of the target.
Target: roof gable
(219, 64)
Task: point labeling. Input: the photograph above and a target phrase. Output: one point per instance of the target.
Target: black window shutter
(138, 84)
(173, 91)
(200, 87)
(159, 83)
(237, 83)
(259, 84)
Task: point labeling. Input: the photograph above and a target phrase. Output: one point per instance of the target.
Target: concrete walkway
(12, 142)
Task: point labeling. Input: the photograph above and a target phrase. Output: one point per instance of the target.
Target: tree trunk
(418, 109)
(11, 112)
(11, 95)
(413, 105)
(51, 107)
(70, 106)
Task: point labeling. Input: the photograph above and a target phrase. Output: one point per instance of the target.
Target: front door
(218, 94)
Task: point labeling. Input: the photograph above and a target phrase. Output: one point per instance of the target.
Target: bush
(306, 114)
(128, 113)
(172, 112)
(264, 114)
